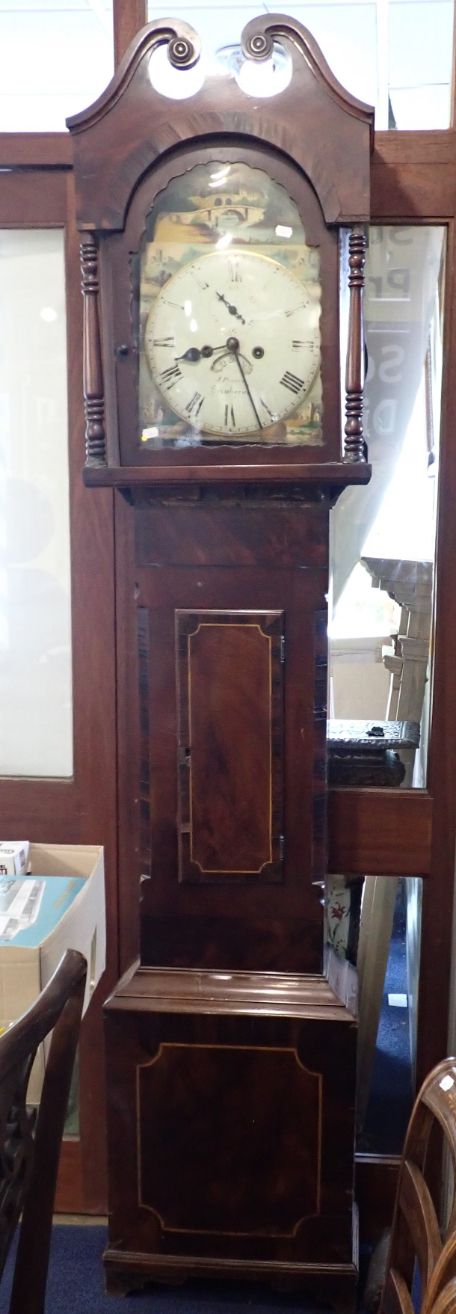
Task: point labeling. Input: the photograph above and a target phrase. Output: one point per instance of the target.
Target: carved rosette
(182, 51)
(355, 448)
(92, 367)
(257, 40)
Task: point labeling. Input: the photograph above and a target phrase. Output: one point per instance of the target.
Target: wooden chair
(30, 1139)
(421, 1253)
(445, 1302)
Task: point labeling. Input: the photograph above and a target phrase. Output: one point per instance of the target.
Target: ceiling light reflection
(224, 241)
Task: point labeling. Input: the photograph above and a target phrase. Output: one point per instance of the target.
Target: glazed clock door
(225, 313)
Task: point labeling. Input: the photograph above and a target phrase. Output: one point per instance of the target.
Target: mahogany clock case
(230, 1058)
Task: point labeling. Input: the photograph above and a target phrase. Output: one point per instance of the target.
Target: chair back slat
(444, 1272)
(418, 1250)
(445, 1302)
(397, 1298)
(421, 1240)
(30, 1140)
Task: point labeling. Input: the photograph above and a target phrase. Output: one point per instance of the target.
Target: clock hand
(194, 353)
(232, 310)
(233, 348)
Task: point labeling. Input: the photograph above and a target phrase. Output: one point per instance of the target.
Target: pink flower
(337, 912)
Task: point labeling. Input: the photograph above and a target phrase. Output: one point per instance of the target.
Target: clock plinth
(250, 1077)
(211, 254)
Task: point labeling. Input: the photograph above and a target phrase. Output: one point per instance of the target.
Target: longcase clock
(223, 246)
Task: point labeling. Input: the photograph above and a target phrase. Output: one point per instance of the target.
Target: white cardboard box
(14, 856)
(24, 971)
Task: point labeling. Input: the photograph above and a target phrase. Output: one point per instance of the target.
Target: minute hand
(235, 353)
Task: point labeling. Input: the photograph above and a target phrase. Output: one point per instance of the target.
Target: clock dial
(233, 342)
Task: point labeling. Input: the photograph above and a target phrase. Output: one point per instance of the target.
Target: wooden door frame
(414, 177)
(81, 809)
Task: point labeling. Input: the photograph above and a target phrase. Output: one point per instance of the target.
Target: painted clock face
(229, 296)
(232, 342)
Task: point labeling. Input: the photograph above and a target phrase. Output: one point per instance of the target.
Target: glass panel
(394, 54)
(222, 244)
(373, 934)
(420, 43)
(383, 536)
(388, 967)
(35, 610)
(55, 60)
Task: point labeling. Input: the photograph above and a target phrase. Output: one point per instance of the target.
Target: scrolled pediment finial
(183, 51)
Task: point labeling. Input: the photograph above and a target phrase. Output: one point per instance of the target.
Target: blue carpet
(76, 1283)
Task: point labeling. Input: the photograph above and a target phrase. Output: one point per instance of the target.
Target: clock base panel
(231, 1131)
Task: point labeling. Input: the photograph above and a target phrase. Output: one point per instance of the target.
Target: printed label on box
(14, 855)
(30, 907)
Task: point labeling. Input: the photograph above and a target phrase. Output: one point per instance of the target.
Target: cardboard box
(24, 971)
(14, 857)
(32, 906)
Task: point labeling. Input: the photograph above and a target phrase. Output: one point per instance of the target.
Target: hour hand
(194, 353)
(232, 310)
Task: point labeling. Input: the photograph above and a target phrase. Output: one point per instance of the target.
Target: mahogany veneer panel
(230, 804)
(198, 1103)
(216, 534)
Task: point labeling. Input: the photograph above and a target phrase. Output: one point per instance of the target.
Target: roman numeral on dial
(229, 415)
(193, 407)
(292, 382)
(163, 342)
(170, 376)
